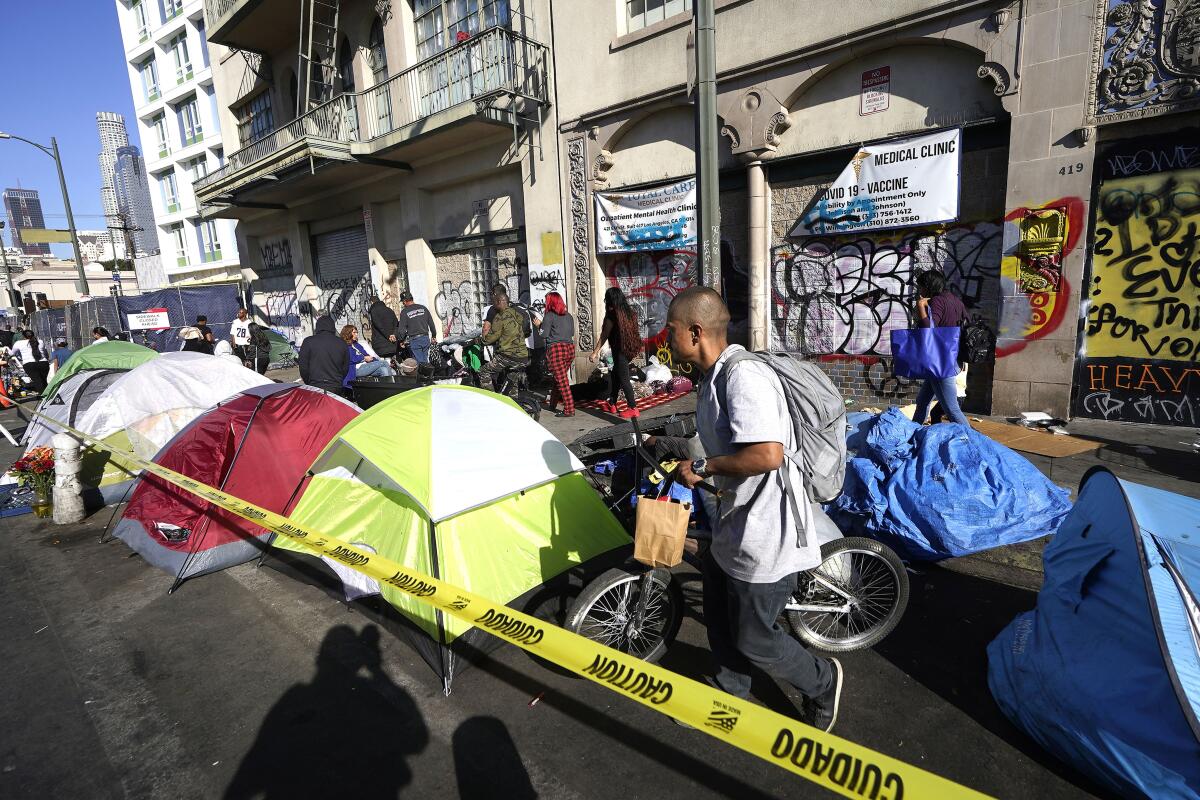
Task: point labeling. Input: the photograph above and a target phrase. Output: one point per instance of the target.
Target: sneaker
(607, 407)
(563, 414)
(825, 707)
(629, 413)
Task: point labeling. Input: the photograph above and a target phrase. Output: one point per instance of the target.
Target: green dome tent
(461, 484)
(102, 355)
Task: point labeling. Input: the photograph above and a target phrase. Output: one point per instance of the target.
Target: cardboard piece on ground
(1026, 440)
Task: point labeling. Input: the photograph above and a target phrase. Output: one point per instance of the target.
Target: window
(377, 57)
(177, 238)
(149, 72)
(485, 275)
(161, 138)
(190, 129)
(140, 26)
(206, 235)
(197, 168)
(441, 24)
(640, 13)
(254, 118)
(477, 66)
(170, 192)
(203, 34)
(345, 69)
(171, 8)
(183, 62)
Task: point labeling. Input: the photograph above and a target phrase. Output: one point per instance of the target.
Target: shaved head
(701, 306)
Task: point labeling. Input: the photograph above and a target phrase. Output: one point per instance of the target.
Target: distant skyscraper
(113, 137)
(24, 210)
(133, 201)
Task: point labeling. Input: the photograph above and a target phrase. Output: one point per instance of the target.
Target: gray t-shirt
(755, 537)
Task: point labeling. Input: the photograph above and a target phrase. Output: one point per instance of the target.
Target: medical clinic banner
(892, 185)
(662, 218)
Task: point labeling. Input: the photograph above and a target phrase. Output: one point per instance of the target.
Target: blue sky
(62, 62)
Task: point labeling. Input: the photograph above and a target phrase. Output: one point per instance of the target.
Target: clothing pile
(941, 491)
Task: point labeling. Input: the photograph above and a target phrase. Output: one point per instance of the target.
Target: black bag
(976, 342)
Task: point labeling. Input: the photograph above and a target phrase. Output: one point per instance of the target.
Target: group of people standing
(247, 344)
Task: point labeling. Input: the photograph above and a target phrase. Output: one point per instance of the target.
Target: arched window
(377, 58)
(346, 66)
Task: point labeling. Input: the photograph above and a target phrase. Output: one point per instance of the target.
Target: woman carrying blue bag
(938, 307)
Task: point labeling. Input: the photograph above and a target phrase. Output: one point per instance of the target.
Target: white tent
(148, 405)
(72, 398)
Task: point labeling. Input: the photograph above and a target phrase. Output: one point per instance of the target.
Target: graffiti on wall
(461, 307)
(345, 300)
(846, 295)
(651, 280)
(543, 280)
(1147, 58)
(281, 310)
(1141, 347)
(276, 256)
(1036, 293)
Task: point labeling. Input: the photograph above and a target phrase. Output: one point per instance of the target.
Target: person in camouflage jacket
(508, 335)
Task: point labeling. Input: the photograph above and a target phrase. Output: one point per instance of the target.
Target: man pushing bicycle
(762, 537)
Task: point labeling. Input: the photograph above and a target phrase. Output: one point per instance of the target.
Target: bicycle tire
(846, 572)
(601, 602)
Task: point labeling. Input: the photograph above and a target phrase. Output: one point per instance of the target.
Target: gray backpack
(818, 414)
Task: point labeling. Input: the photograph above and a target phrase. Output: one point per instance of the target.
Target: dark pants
(744, 631)
(37, 372)
(619, 380)
(500, 365)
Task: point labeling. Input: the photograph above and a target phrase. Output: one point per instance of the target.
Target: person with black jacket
(324, 357)
(383, 328)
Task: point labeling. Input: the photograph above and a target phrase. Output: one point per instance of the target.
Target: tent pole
(116, 508)
(232, 463)
(287, 513)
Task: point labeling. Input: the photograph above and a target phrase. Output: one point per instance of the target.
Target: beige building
(443, 154)
(423, 155)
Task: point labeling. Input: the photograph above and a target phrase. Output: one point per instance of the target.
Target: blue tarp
(941, 491)
(1105, 672)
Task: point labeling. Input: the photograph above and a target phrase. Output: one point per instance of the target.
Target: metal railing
(215, 9)
(494, 63)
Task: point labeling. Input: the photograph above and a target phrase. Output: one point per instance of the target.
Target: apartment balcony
(261, 26)
(491, 83)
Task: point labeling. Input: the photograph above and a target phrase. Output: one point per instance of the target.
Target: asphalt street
(252, 683)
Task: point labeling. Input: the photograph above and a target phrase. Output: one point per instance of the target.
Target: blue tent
(1105, 672)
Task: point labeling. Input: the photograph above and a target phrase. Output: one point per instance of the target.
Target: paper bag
(659, 532)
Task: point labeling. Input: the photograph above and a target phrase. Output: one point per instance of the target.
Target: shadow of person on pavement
(487, 764)
(341, 735)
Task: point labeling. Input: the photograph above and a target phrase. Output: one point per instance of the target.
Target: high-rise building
(24, 210)
(166, 52)
(113, 136)
(134, 211)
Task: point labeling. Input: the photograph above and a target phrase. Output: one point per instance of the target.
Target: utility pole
(81, 277)
(8, 299)
(708, 206)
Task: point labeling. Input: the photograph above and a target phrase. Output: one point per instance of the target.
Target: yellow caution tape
(827, 760)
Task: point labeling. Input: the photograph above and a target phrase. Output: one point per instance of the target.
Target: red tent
(258, 446)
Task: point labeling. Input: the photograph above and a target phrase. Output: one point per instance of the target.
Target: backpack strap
(721, 383)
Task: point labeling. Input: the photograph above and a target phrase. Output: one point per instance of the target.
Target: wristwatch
(700, 467)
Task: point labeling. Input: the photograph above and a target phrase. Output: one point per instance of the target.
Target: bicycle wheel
(604, 610)
(853, 599)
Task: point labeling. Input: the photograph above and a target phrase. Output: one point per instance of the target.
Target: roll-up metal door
(343, 273)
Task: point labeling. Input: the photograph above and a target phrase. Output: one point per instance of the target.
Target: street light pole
(708, 207)
(81, 282)
(8, 299)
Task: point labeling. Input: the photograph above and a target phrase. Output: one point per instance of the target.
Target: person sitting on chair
(508, 334)
(364, 362)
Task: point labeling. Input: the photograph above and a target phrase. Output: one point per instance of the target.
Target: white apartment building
(167, 54)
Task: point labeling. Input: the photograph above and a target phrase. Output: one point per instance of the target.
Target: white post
(759, 274)
(68, 493)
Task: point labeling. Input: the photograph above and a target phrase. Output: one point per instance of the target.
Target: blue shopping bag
(925, 353)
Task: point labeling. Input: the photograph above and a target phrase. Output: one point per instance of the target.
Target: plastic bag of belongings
(941, 491)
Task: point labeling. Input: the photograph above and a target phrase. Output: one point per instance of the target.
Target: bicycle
(851, 601)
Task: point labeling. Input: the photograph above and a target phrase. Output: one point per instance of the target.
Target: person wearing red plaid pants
(558, 330)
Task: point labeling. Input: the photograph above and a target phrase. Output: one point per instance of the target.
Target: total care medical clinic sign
(661, 218)
(893, 185)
